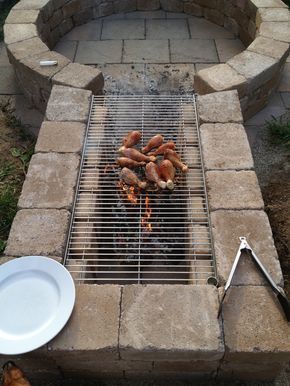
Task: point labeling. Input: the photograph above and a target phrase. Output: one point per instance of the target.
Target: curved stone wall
(33, 27)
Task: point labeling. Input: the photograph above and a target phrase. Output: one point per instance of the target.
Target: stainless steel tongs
(244, 247)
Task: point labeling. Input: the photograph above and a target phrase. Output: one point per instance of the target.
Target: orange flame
(145, 219)
(130, 192)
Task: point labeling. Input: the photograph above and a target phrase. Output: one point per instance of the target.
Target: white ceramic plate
(37, 296)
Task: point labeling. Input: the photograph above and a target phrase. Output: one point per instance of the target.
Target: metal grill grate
(109, 240)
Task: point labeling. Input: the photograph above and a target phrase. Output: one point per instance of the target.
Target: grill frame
(82, 273)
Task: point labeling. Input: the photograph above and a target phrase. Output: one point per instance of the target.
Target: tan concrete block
(50, 181)
(80, 76)
(125, 6)
(255, 327)
(279, 31)
(225, 146)
(227, 227)
(45, 6)
(148, 5)
(269, 3)
(23, 17)
(60, 137)
(172, 5)
(214, 16)
(221, 107)
(221, 77)
(269, 47)
(38, 232)
(71, 8)
(68, 104)
(191, 318)
(56, 19)
(272, 14)
(26, 48)
(193, 9)
(233, 190)
(191, 367)
(257, 68)
(65, 26)
(18, 32)
(93, 326)
(206, 3)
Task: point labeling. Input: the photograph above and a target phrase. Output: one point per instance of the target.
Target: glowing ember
(132, 196)
(145, 219)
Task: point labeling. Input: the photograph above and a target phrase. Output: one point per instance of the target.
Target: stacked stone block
(39, 25)
(237, 209)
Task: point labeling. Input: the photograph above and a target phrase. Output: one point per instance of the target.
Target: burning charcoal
(153, 174)
(129, 163)
(130, 178)
(137, 156)
(161, 149)
(130, 140)
(175, 159)
(167, 172)
(155, 141)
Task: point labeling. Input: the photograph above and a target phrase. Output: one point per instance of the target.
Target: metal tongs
(244, 247)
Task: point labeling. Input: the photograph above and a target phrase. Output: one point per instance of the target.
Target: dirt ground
(16, 148)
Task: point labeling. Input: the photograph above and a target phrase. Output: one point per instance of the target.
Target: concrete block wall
(158, 331)
(33, 28)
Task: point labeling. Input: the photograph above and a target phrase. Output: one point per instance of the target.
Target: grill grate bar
(109, 239)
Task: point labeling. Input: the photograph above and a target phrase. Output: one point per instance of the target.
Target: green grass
(4, 10)
(280, 131)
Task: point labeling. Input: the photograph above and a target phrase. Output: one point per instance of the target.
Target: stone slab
(17, 32)
(67, 49)
(145, 51)
(204, 29)
(227, 48)
(60, 137)
(233, 190)
(284, 85)
(80, 76)
(225, 146)
(220, 107)
(272, 14)
(279, 31)
(88, 31)
(68, 104)
(256, 68)
(38, 232)
(97, 309)
(184, 329)
(167, 29)
(227, 227)
(50, 181)
(23, 16)
(28, 47)
(269, 47)
(269, 3)
(220, 78)
(45, 72)
(193, 51)
(160, 14)
(123, 29)
(93, 52)
(255, 327)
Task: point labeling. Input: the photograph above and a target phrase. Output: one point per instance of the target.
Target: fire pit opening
(121, 234)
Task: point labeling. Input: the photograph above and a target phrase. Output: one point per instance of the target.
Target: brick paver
(92, 52)
(193, 51)
(167, 29)
(146, 51)
(123, 29)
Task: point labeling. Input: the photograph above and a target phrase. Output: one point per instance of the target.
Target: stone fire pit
(156, 330)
